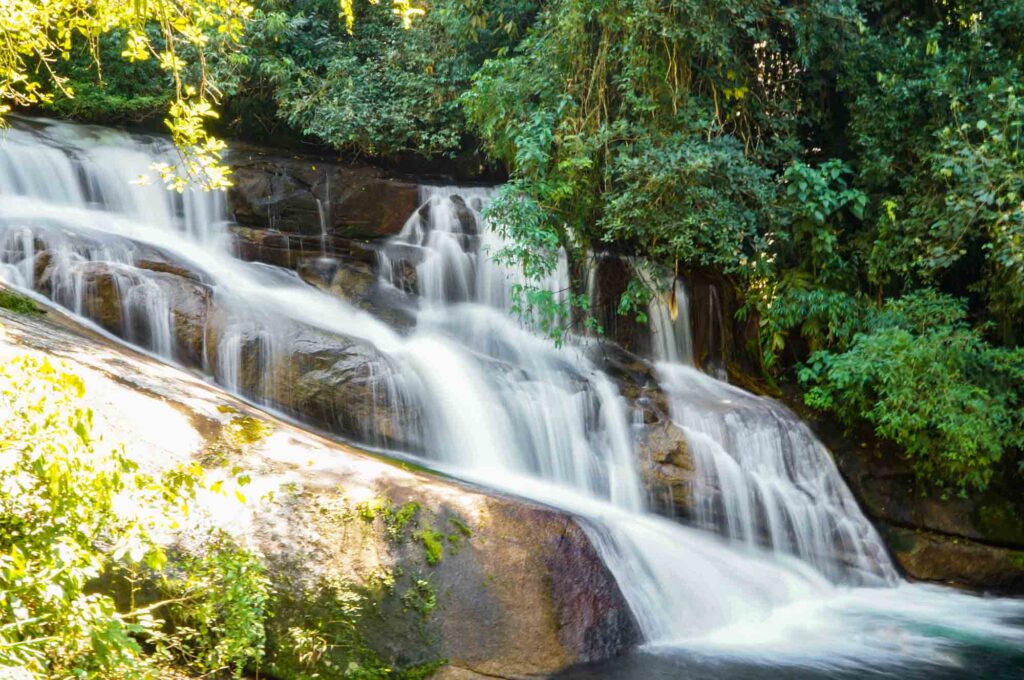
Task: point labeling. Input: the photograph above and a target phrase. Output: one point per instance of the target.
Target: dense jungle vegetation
(853, 166)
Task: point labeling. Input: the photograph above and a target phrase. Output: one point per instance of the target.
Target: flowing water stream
(783, 570)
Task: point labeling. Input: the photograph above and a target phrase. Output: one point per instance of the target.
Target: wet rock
(929, 556)
(356, 283)
(667, 469)
(338, 383)
(42, 272)
(165, 267)
(189, 306)
(101, 295)
(465, 216)
(605, 283)
(288, 250)
(349, 387)
(113, 296)
(306, 195)
(345, 280)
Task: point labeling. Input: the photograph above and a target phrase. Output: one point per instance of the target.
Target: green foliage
(656, 128)
(112, 90)
(220, 599)
(246, 430)
(823, 317)
(936, 123)
(60, 504)
(319, 634)
(420, 597)
(816, 201)
(396, 518)
(832, 158)
(18, 303)
(373, 88)
(322, 632)
(433, 547)
(74, 511)
(929, 382)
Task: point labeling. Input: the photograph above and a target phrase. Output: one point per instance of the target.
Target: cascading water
(470, 391)
(669, 314)
(762, 477)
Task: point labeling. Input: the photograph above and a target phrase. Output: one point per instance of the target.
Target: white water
(488, 401)
(669, 314)
(763, 478)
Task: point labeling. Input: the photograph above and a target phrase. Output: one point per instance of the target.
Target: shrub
(925, 379)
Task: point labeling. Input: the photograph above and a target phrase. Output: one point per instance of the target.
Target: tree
(40, 36)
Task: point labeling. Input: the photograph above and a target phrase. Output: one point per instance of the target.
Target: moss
(999, 520)
(433, 547)
(461, 527)
(461, 534)
(240, 432)
(420, 597)
(369, 510)
(18, 303)
(396, 518)
(325, 631)
(246, 430)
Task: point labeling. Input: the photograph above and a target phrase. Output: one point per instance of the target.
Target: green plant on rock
(220, 595)
(18, 303)
(433, 546)
(420, 597)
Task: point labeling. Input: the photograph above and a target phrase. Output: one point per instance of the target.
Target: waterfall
(471, 391)
(669, 314)
(763, 478)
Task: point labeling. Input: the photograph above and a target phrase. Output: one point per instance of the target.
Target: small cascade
(507, 400)
(764, 479)
(714, 362)
(323, 209)
(452, 250)
(669, 313)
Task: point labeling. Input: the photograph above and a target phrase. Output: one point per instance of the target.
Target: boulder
(373, 564)
(105, 300)
(357, 284)
(339, 383)
(667, 469)
(288, 250)
(930, 556)
(101, 295)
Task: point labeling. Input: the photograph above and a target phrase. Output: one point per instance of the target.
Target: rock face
(309, 196)
(387, 566)
(667, 469)
(930, 556)
(338, 383)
